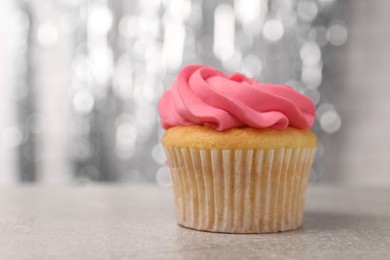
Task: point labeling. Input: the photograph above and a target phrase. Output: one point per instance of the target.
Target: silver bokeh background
(80, 80)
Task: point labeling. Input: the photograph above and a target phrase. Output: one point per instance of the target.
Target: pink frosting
(202, 95)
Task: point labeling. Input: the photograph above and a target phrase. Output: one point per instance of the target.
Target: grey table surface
(138, 222)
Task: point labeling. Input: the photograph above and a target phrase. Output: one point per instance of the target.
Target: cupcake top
(202, 95)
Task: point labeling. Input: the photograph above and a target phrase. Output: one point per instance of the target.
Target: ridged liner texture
(240, 191)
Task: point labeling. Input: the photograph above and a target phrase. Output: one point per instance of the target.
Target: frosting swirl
(202, 95)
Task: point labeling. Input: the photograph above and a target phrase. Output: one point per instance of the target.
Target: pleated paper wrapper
(240, 191)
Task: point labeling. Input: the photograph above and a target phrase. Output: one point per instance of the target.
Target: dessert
(239, 152)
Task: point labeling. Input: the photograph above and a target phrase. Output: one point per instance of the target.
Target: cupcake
(239, 152)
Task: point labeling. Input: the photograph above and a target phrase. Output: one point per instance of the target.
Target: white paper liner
(240, 191)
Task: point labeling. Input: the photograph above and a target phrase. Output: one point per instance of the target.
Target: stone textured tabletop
(138, 222)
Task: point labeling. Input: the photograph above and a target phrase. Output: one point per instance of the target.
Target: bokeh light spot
(273, 30)
(337, 34)
(163, 177)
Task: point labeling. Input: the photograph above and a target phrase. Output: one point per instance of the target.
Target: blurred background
(80, 80)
